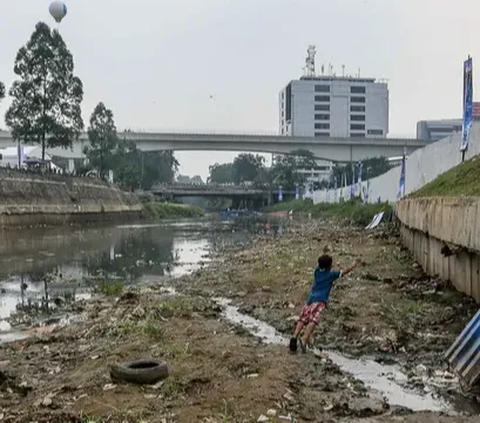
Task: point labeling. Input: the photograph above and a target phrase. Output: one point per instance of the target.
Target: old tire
(141, 372)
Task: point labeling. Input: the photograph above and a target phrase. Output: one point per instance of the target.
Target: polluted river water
(40, 268)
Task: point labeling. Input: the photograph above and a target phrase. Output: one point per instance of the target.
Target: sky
(156, 63)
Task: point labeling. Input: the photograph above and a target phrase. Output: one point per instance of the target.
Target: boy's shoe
(303, 345)
(293, 345)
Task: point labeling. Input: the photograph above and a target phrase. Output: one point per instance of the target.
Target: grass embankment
(461, 181)
(353, 211)
(155, 211)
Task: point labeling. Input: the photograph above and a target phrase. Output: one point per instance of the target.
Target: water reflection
(42, 270)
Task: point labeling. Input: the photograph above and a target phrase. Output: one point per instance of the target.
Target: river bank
(388, 312)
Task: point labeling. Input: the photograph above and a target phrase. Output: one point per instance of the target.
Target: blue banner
(467, 102)
(401, 184)
(352, 187)
(280, 194)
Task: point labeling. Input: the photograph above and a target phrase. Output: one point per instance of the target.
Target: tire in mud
(140, 372)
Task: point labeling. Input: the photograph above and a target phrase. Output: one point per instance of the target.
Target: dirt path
(219, 371)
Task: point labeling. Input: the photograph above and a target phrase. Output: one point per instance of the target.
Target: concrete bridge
(207, 190)
(333, 149)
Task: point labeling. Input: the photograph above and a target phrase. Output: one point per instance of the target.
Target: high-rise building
(336, 107)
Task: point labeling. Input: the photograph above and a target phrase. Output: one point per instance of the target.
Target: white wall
(423, 166)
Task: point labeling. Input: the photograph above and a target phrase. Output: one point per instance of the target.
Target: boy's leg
(298, 328)
(315, 320)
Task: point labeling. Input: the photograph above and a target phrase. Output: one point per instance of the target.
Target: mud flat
(223, 331)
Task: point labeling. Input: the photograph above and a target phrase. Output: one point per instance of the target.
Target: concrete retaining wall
(423, 166)
(28, 199)
(429, 224)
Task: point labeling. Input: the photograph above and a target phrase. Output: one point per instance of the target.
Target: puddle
(387, 380)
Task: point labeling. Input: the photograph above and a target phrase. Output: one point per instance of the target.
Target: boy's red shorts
(312, 312)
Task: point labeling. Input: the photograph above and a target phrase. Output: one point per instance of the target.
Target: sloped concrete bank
(443, 233)
(30, 199)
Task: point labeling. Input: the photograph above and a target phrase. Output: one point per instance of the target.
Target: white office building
(331, 106)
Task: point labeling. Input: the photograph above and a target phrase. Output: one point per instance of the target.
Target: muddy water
(42, 271)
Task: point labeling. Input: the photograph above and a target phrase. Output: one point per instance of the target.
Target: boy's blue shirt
(322, 285)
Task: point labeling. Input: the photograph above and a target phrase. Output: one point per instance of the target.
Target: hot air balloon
(58, 10)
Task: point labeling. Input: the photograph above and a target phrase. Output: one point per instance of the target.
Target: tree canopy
(47, 96)
(286, 170)
(221, 173)
(247, 167)
(2, 91)
(370, 169)
(130, 166)
(103, 139)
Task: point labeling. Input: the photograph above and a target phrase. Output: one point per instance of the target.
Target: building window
(357, 108)
(322, 88)
(322, 107)
(283, 95)
(322, 134)
(288, 111)
(357, 135)
(323, 98)
(375, 132)
(357, 99)
(283, 114)
(322, 126)
(358, 118)
(322, 117)
(357, 90)
(357, 127)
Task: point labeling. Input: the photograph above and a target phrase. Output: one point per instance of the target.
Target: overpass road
(334, 149)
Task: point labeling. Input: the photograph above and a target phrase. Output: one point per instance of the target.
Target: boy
(317, 300)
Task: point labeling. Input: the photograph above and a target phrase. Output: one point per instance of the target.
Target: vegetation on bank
(353, 211)
(155, 210)
(460, 181)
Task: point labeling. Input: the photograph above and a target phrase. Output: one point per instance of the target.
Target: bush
(353, 211)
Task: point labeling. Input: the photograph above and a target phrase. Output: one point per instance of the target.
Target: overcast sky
(156, 63)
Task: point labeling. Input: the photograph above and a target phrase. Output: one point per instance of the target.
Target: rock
(263, 419)
(252, 376)
(272, 412)
(47, 401)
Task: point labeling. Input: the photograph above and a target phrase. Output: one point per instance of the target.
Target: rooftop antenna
(343, 71)
(330, 69)
(310, 61)
(323, 70)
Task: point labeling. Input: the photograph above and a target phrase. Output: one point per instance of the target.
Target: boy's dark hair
(325, 262)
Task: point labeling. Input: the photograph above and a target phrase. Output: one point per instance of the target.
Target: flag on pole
(401, 184)
(467, 102)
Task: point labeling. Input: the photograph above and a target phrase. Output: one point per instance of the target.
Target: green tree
(47, 96)
(371, 168)
(286, 171)
(103, 139)
(221, 173)
(127, 165)
(246, 167)
(2, 91)
(157, 167)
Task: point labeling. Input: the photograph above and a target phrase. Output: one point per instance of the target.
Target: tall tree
(102, 135)
(371, 168)
(157, 166)
(246, 167)
(287, 169)
(221, 173)
(47, 96)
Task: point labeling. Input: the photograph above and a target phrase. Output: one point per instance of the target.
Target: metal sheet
(464, 354)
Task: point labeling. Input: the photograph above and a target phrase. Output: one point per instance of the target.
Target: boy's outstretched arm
(349, 269)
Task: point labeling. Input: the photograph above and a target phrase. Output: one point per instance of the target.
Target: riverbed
(218, 301)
